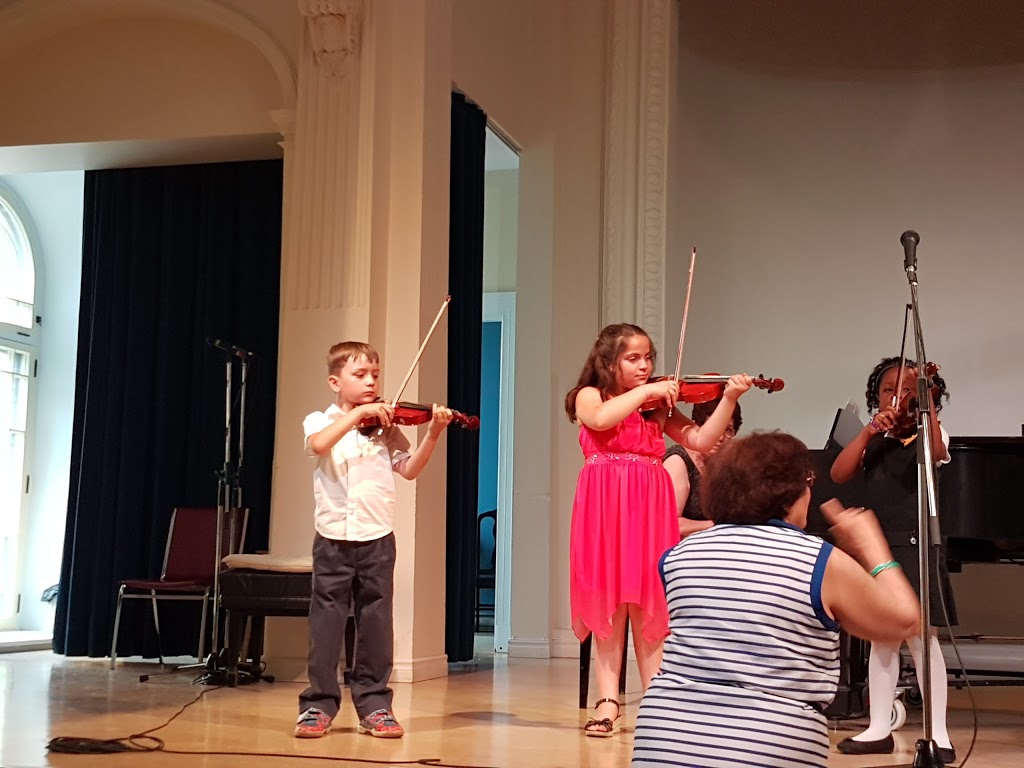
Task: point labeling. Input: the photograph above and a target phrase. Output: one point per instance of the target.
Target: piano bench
(257, 586)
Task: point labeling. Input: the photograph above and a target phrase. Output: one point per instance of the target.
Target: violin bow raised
(419, 354)
(897, 394)
(686, 313)
(416, 360)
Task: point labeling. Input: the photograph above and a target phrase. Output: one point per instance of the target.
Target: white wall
(799, 180)
(537, 68)
(54, 206)
(501, 230)
(806, 145)
(87, 83)
(160, 77)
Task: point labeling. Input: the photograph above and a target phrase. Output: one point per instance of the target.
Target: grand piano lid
(980, 498)
(982, 443)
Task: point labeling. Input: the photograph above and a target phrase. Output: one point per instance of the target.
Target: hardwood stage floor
(499, 713)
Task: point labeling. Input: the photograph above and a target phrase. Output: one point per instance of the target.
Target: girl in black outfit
(890, 471)
(685, 467)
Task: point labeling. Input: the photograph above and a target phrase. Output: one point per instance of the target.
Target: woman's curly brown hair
(755, 479)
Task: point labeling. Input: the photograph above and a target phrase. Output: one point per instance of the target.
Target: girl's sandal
(604, 727)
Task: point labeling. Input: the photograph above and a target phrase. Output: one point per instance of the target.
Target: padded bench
(257, 586)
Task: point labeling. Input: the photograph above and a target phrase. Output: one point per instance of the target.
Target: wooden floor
(488, 713)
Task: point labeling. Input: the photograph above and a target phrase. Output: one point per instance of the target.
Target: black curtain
(465, 285)
(170, 257)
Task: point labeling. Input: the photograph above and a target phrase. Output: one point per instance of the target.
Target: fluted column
(640, 57)
(365, 256)
(328, 263)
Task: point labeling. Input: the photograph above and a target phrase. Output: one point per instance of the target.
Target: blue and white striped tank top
(752, 658)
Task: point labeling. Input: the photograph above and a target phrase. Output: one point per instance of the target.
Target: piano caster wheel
(913, 697)
(898, 718)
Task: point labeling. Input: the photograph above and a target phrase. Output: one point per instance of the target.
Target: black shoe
(947, 755)
(878, 747)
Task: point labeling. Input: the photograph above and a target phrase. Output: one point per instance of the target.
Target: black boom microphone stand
(229, 497)
(930, 540)
(229, 506)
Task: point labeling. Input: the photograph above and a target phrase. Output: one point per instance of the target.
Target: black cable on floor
(145, 742)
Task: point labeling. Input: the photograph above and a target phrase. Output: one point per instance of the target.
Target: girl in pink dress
(624, 512)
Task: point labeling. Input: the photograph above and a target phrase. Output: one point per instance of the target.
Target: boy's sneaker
(381, 724)
(312, 724)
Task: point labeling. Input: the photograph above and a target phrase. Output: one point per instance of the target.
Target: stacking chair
(188, 567)
(485, 572)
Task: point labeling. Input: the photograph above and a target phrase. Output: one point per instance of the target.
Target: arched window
(17, 291)
(17, 312)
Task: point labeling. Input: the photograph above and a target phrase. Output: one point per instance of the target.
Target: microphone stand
(227, 483)
(926, 750)
(229, 503)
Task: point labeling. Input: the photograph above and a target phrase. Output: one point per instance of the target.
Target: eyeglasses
(810, 478)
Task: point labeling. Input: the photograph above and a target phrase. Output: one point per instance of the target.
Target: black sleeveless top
(890, 474)
(692, 509)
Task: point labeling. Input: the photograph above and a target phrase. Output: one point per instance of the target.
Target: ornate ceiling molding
(335, 31)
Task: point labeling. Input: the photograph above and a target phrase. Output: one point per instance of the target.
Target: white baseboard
(292, 669)
(16, 641)
(287, 669)
(416, 670)
(529, 647)
(561, 645)
(564, 644)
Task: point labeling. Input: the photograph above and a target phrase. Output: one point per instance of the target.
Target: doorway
(497, 377)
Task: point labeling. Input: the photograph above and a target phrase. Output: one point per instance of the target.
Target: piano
(980, 500)
(981, 495)
(981, 516)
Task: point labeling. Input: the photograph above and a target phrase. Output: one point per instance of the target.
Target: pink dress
(623, 521)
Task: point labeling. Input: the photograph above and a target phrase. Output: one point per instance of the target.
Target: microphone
(229, 348)
(910, 239)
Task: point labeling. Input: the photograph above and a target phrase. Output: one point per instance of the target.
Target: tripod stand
(930, 540)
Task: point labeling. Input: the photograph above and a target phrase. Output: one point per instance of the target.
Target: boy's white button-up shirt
(354, 484)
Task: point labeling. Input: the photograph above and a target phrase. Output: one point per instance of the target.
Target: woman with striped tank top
(755, 605)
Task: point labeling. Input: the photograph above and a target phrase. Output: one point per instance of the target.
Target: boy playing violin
(354, 545)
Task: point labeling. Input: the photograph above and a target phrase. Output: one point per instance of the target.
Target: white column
(328, 261)
(365, 256)
(413, 215)
(641, 55)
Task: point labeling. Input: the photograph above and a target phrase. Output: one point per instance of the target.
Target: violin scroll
(905, 420)
(769, 385)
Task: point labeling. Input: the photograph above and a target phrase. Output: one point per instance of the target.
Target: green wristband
(879, 568)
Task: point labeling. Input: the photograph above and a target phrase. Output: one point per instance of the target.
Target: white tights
(883, 674)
